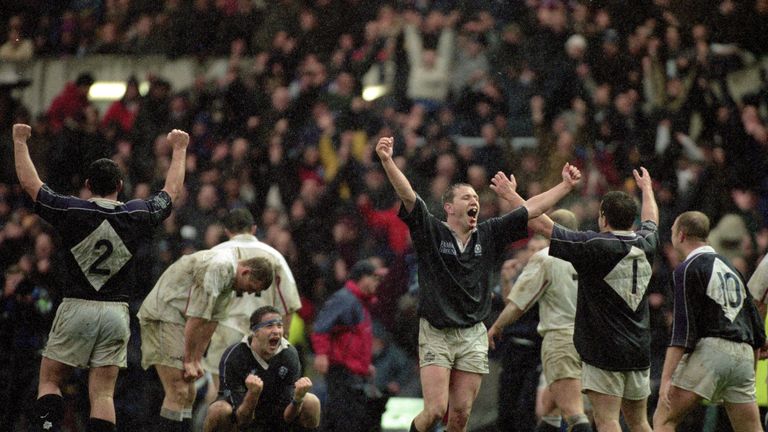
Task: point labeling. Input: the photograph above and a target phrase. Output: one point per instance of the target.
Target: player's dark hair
(104, 177)
(239, 220)
(259, 313)
(261, 270)
(450, 193)
(694, 224)
(619, 210)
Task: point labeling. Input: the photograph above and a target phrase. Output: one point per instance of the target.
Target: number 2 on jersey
(105, 247)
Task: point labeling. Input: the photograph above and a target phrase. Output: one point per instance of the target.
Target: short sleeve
(51, 206)
(511, 227)
(418, 215)
(233, 375)
(159, 206)
(531, 283)
(758, 283)
(571, 246)
(210, 300)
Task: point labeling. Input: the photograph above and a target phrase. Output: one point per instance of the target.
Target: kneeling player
(261, 388)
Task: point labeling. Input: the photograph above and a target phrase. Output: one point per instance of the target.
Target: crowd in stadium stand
(471, 88)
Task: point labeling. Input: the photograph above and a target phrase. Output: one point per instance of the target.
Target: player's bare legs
(179, 394)
(310, 412)
(434, 384)
(636, 414)
(606, 410)
(213, 389)
(219, 418)
(667, 417)
(49, 406)
(567, 395)
(52, 376)
(463, 390)
(101, 392)
(745, 417)
(545, 403)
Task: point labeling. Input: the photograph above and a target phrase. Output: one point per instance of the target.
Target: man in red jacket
(70, 104)
(343, 339)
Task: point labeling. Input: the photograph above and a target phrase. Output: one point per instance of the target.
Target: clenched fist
(178, 139)
(254, 384)
(384, 148)
(301, 387)
(21, 132)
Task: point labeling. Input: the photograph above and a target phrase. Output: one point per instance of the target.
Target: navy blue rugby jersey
(101, 237)
(454, 286)
(612, 327)
(279, 374)
(711, 300)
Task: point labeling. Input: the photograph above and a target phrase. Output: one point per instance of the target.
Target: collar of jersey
(263, 363)
(102, 201)
(623, 233)
(244, 237)
(700, 250)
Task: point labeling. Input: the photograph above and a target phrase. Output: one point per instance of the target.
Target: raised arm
(25, 169)
(544, 201)
(506, 189)
(396, 177)
(174, 179)
(649, 210)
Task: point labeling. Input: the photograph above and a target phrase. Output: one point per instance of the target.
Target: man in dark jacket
(342, 341)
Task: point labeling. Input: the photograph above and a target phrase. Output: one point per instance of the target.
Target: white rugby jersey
(758, 283)
(552, 282)
(197, 285)
(282, 294)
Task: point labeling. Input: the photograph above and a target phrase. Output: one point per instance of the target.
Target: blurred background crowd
(467, 88)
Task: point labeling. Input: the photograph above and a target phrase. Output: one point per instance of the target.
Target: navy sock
(99, 425)
(546, 427)
(48, 412)
(186, 425)
(168, 425)
(581, 427)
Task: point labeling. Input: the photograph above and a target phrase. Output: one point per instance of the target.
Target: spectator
(123, 111)
(16, 48)
(429, 78)
(68, 107)
(342, 341)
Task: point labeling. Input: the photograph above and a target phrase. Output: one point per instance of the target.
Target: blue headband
(267, 323)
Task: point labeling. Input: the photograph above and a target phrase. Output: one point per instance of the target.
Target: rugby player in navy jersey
(455, 258)
(100, 237)
(262, 389)
(612, 327)
(716, 334)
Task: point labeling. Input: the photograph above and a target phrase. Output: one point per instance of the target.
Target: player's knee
(660, 418)
(435, 413)
(180, 393)
(220, 409)
(219, 417)
(310, 412)
(218, 412)
(458, 418)
(637, 422)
